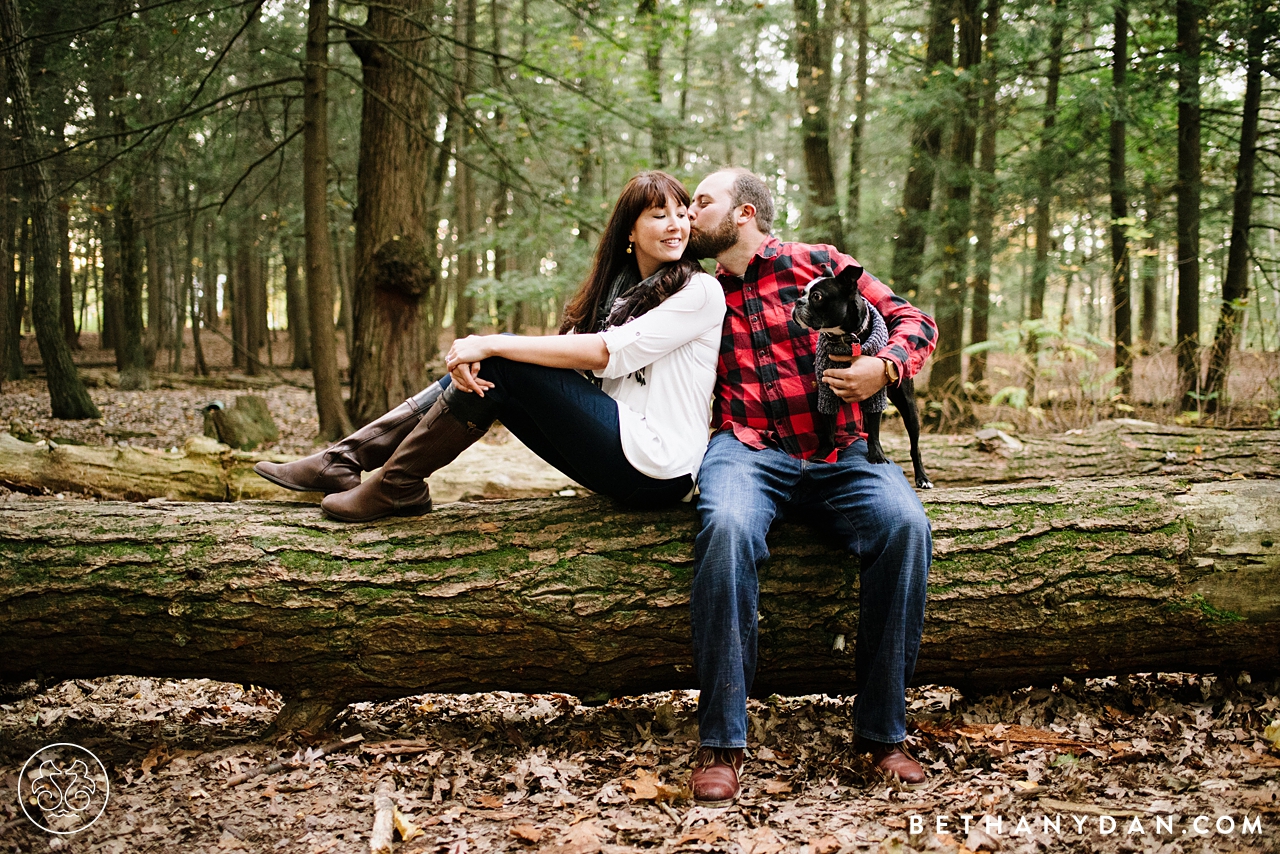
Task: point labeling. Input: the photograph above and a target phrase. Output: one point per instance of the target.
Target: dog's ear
(848, 278)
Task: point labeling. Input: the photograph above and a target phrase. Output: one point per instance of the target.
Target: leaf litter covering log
(1028, 584)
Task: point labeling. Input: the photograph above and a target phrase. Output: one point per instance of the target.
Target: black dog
(834, 306)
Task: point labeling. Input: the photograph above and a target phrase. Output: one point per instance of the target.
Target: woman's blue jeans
(873, 511)
(568, 421)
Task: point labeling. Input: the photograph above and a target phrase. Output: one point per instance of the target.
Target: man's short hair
(749, 188)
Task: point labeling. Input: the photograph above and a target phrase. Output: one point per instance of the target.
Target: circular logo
(63, 788)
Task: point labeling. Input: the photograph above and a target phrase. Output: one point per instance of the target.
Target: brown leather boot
(399, 489)
(893, 762)
(337, 468)
(715, 776)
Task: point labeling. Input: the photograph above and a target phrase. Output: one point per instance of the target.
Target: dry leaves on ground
(500, 771)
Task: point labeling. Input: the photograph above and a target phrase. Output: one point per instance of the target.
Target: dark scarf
(628, 297)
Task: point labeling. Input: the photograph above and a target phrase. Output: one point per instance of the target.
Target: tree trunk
(647, 19)
(147, 208)
(201, 369)
(68, 396)
(813, 43)
(342, 266)
(926, 144)
(110, 244)
(236, 272)
(1150, 274)
(208, 277)
(66, 292)
(1027, 585)
(176, 312)
(257, 291)
(853, 207)
(11, 367)
(131, 357)
(946, 376)
(394, 244)
(1120, 205)
(1122, 448)
(299, 312)
(465, 181)
(1046, 171)
(1235, 285)
(1187, 345)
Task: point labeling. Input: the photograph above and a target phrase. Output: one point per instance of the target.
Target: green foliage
(195, 108)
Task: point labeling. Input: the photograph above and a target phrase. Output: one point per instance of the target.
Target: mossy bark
(1028, 585)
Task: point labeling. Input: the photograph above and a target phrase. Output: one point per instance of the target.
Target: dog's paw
(924, 483)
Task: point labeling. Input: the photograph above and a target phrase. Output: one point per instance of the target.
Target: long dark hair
(647, 190)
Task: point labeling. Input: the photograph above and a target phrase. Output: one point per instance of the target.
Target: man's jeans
(873, 512)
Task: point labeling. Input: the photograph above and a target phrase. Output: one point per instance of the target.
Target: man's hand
(863, 378)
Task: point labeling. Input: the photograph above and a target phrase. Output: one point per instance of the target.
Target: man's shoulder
(814, 255)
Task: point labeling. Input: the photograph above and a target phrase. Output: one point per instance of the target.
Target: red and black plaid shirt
(766, 388)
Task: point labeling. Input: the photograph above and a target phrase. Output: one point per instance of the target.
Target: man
(761, 463)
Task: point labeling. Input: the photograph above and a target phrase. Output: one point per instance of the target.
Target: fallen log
(206, 470)
(1122, 447)
(1029, 584)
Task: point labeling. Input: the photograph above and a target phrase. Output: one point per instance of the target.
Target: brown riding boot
(399, 489)
(337, 468)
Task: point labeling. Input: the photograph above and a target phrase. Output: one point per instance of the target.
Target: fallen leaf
(491, 802)
(647, 786)
(582, 838)
(777, 787)
(714, 831)
(408, 830)
(824, 845)
(979, 840)
(156, 757)
(762, 840)
(526, 833)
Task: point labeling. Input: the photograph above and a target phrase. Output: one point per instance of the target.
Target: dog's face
(831, 304)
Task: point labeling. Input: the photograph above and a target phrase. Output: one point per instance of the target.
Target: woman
(646, 326)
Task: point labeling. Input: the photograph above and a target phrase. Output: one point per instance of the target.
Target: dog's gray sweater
(830, 344)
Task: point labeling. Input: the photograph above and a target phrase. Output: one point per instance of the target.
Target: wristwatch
(890, 372)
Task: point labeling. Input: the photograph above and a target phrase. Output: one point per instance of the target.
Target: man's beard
(709, 244)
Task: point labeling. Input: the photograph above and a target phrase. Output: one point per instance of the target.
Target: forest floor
(1157, 763)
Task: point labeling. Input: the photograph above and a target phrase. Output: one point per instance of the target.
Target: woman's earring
(629, 245)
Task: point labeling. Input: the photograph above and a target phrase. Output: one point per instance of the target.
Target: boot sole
(296, 487)
(727, 802)
(895, 779)
(413, 510)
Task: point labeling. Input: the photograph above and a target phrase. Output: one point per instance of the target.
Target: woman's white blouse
(665, 421)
